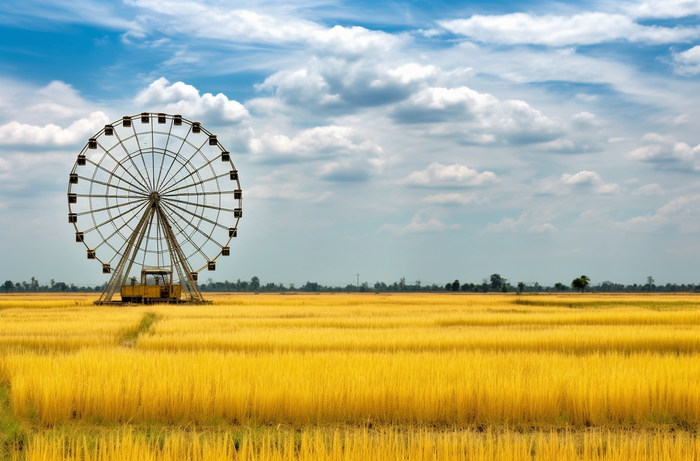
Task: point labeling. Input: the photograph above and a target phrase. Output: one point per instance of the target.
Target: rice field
(352, 377)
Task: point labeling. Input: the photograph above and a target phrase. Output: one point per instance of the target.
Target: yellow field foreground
(304, 376)
(383, 444)
(466, 388)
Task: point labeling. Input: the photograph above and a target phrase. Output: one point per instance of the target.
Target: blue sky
(426, 140)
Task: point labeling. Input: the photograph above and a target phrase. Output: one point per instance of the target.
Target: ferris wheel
(155, 199)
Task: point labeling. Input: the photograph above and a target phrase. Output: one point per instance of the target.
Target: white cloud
(682, 212)
(583, 181)
(665, 151)
(663, 8)
(342, 85)
(455, 199)
(213, 21)
(351, 169)
(582, 178)
(417, 225)
(532, 223)
(323, 142)
(579, 29)
(161, 96)
(15, 133)
(649, 190)
(274, 26)
(439, 175)
(478, 117)
(687, 62)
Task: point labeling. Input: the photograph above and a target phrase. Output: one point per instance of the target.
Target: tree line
(493, 283)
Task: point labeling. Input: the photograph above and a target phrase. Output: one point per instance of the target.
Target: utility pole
(358, 280)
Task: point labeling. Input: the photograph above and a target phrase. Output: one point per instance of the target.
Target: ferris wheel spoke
(188, 222)
(177, 154)
(112, 174)
(188, 237)
(165, 149)
(108, 185)
(183, 194)
(167, 184)
(131, 159)
(115, 232)
(112, 219)
(117, 205)
(118, 252)
(211, 207)
(211, 178)
(138, 144)
(195, 216)
(104, 196)
(120, 164)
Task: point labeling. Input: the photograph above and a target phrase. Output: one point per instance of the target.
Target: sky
(427, 140)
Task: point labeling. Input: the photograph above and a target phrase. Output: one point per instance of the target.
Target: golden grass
(342, 444)
(67, 328)
(178, 335)
(464, 388)
(361, 376)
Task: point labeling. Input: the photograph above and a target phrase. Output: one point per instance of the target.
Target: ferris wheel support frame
(176, 195)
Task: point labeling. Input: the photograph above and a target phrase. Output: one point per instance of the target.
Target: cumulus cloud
(439, 175)
(583, 181)
(219, 22)
(667, 153)
(241, 25)
(455, 198)
(532, 223)
(185, 99)
(323, 142)
(579, 29)
(662, 8)
(417, 225)
(649, 190)
(681, 212)
(15, 133)
(341, 85)
(687, 62)
(351, 169)
(478, 117)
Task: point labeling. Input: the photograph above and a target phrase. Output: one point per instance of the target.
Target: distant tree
(521, 287)
(560, 286)
(310, 286)
(448, 286)
(455, 285)
(650, 283)
(580, 283)
(468, 287)
(497, 281)
(254, 283)
(504, 288)
(61, 286)
(8, 286)
(485, 287)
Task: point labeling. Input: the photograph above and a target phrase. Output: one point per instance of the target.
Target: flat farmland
(352, 377)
